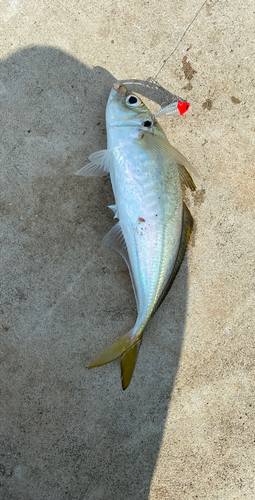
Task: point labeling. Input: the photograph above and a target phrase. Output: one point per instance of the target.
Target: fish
(148, 177)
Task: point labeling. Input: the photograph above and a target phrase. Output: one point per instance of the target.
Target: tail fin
(128, 361)
(127, 347)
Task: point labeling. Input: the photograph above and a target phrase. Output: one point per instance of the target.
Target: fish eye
(132, 100)
(147, 123)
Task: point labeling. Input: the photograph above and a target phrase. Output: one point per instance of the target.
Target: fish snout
(121, 89)
(117, 86)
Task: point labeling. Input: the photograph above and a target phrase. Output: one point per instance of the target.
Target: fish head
(125, 108)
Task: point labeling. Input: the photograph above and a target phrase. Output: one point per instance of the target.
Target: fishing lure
(174, 109)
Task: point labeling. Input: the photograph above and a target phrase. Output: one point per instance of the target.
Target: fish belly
(149, 201)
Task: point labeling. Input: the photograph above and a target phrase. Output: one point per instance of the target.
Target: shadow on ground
(67, 432)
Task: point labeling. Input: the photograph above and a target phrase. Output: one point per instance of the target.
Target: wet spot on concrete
(239, 385)
(208, 9)
(199, 196)
(188, 86)
(235, 100)
(189, 72)
(193, 235)
(207, 104)
(121, 271)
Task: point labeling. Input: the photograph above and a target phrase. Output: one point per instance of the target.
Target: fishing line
(187, 29)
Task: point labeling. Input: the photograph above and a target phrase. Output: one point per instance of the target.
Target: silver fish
(154, 227)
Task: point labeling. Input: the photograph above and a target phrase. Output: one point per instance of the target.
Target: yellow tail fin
(127, 347)
(128, 361)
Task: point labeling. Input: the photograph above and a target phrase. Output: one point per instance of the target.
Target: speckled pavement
(184, 429)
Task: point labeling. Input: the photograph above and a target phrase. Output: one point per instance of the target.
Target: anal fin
(187, 226)
(116, 240)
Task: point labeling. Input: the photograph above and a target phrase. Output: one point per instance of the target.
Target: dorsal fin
(116, 240)
(186, 178)
(157, 145)
(187, 225)
(99, 165)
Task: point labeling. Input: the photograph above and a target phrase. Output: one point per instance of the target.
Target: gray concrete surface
(185, 426)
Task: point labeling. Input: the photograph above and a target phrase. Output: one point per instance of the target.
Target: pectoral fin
(158, 146)
(99, 165)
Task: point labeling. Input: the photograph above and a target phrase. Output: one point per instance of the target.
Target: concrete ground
(184, 429)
